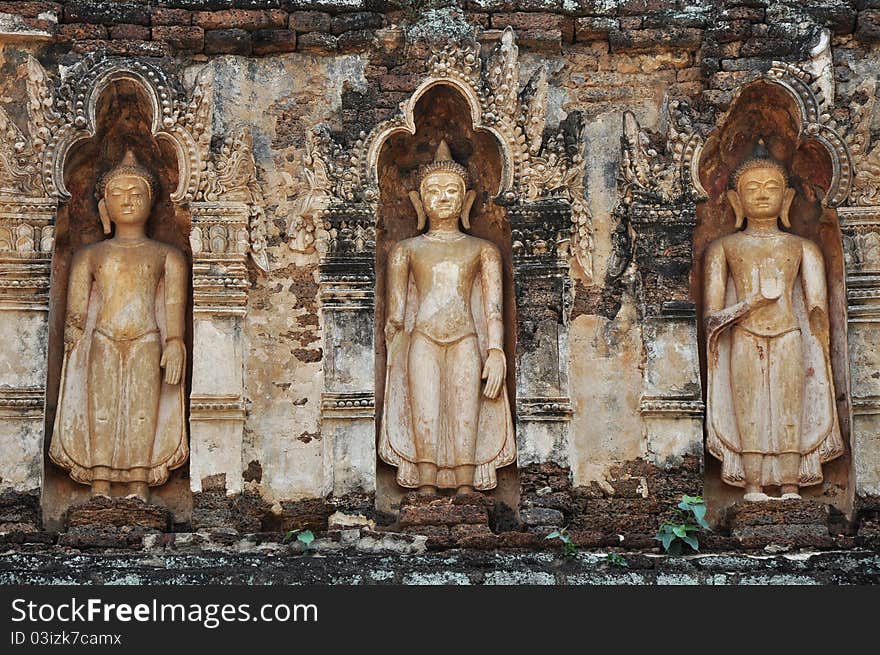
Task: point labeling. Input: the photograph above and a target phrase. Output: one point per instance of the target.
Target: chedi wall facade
(469, 270)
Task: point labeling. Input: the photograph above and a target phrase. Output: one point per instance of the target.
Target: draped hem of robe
(70, 446)
(496, 442)
(820, 439)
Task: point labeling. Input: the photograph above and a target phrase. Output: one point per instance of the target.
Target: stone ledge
(450, 567)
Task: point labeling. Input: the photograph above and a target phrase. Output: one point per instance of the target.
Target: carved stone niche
(208, 206)
(786, 110)
(120, 116)
(531, 204)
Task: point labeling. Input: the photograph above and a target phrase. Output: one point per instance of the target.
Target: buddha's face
(127, 199)
(761, 192)
(442, 195)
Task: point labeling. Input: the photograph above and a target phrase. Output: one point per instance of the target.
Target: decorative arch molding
(538, 164)
(815, 122)
(220, 189)
(185, 123)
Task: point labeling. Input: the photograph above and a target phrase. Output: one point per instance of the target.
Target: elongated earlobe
(733, 199)
(469, 198)
(416, 200)
(786, 207)
(105, 217)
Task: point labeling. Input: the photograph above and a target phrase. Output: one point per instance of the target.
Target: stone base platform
(102, 523)
(784, 523)
(446, 520)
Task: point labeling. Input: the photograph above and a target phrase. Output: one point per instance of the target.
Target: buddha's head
(760, 190)
(125, 193)
(443, 192)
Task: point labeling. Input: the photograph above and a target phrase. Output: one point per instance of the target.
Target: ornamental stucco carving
(537, 163)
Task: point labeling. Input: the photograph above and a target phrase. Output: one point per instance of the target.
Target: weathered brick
(519, 5)
(770, 48)
(540, 40)
(355, 40)
(651, 40)
(106, 12)
(228, 42)
(442, 514)
(751, 14)
(398, 82)
(592, 28)
(317, 42)
(31, 9)
(309, 21)
(181, 37)
(242, 19)
(166, 16)
(278, 19)
(868, 25)
(361, 20)
(267, 42)
(123, 48)
(526, 21)
(131, 32)
(727, 31)
(81, 31)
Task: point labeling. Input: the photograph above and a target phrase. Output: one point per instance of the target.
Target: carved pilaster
(348, 278)
(671, 404)
(219, 241)
(659, 194)
(861, 239)
(26, 240)
(540, 232)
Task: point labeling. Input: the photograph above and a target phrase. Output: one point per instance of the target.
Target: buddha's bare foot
(427, 490)
(790, 492)
(138, 490)
(100, 489)
(464, 490)
(756, 497)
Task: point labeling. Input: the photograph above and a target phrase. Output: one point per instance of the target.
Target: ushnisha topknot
(760, 159)
(129, 165)
(443, 161)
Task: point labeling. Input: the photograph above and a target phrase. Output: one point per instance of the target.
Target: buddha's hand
(72, 335)
(173, 359)
(392, 327)
(494, 371)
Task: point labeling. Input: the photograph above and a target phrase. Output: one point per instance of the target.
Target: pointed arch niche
(784, 111)
(440, 111)
(122, 109)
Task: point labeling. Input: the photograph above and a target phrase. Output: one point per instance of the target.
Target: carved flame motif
(538, 162)
(31, 164)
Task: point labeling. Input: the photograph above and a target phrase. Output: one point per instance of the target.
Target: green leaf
(553, 535)
(306, 536)
(692, 500)
(691, 541)
(665, 538)
(700, 514)
(288, 536)
(680, 530)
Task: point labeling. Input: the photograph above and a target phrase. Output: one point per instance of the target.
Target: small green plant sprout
(616, 559)
(568, 546)
(691, 513)
(304, 536)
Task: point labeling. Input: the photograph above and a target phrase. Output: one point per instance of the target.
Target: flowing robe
(761, 362)
(136, 434)
(495, 440)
